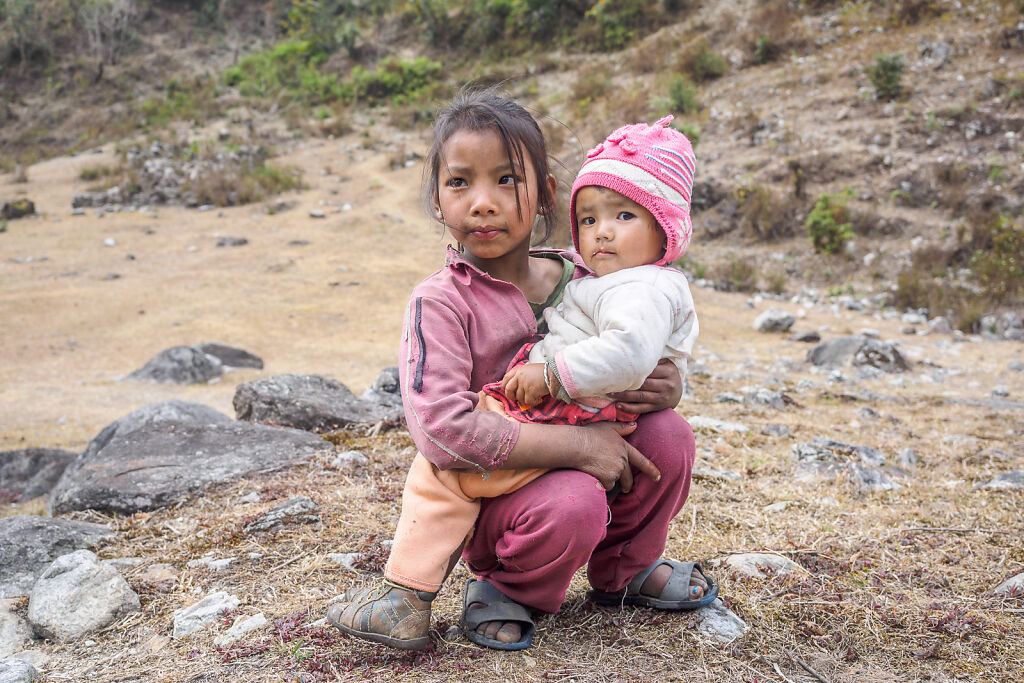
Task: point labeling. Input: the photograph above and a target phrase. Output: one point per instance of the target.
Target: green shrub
(612, 25)
(764, 50)
(682, 95)
(291, 67)
(828, 224)
(885, 75)
(701, 62)
(400, 81)
(999, 267)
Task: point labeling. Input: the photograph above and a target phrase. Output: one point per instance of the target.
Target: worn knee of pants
(640, 519)
(439, 509)
(530, 542)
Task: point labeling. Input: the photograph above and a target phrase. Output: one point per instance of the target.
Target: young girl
(487, 179)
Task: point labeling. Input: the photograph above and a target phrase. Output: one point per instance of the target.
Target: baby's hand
(525, 384)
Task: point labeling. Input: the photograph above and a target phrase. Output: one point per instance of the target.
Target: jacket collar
(456, 262)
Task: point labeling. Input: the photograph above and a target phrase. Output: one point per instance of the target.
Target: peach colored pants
(439, 510)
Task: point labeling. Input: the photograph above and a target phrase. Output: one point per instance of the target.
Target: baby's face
(615, 232)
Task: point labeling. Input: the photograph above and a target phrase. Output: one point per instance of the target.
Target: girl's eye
(455, 182)
(626, 216)
(507, 179)
(586, 220)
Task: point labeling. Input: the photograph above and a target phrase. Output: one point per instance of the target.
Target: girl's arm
(435, 373)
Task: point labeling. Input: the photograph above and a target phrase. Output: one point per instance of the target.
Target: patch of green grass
(682, 95)
(395, 80)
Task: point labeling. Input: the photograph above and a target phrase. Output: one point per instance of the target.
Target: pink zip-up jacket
(462, 328)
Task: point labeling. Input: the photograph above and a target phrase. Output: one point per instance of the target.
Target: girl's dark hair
(481, 110)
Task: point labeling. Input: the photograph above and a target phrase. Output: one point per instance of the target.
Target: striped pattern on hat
(651, 165)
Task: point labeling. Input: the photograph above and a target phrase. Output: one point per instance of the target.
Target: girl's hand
(525, 384)
(662, 389)
(609, 458)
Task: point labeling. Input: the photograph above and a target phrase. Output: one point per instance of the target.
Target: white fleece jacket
(609, 332)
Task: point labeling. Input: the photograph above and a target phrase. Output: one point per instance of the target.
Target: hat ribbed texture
(651, 165)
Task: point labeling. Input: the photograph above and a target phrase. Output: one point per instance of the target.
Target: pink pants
(530, 542)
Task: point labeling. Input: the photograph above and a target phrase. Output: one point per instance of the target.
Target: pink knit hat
(651, 165)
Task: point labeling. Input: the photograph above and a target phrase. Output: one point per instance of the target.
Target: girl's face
(477, 196)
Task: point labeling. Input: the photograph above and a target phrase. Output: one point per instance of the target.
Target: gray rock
(912, 318)
(346, 560)
(715, 425)
(17, 208)
(36, 658)
(808, 471)
(349, 460)
(806, 337)
(231, 357)
(907, 457)
(78, 595)
(157, 454)
(939, 325)
(774, 320)
(867, 413)
(180, 365)
(205, 612)
(32, 472)
(310, 402)
(776, 430)
(865, 454)
(870, 479)
(1016, 366)
(760, 396)
(386, 392)
(835, 352)
(15, 632)
(14, 670)
(881, 355)
(758, 565)
(228, 241)
(721, 475)
(1012, 587)
(298, 510)
(1012, 480)
(719, 622)
(728, 397)
(29, 543)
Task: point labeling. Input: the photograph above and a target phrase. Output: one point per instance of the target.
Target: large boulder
(29, 543)
(157, 454)
(78, 595)
(858, 350)
(386, 392)
(15, 632)
(29, 473)
(16, 671)
(180, 365)
(310, 402)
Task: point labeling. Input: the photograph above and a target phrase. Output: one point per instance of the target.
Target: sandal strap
(503, 611)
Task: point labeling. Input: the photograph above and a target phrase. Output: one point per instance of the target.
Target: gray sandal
(675, 595)
(499, 607)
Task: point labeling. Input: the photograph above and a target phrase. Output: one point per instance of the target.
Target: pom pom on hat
(651, 165)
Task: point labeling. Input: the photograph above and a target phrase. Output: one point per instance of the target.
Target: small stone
(907, 457)
(805, 337)
(715, 425)
(1012, 587)
(779, 506)
(297, 510)
(110, 242)
(719, 622)
(250, 498)
(161, 577)
(774, 320)
(939, 325)
(1000, 392)
(759, 565)
(1016, 366)
(346, 560)
(1006, 481)
(317, 213)
(728, 397)
(867, 412)
(206, 611)
(709, 473)
(228, 241)
(776, 430)
(348, 460)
